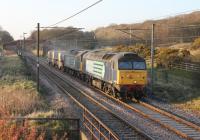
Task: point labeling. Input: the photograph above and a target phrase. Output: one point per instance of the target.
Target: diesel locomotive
(122, 75)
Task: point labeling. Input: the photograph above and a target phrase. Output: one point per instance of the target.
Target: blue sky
(18, 16)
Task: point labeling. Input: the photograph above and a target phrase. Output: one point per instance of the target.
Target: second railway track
(181, 127)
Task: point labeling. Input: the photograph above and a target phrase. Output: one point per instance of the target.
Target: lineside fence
(169, 76)
(192, 67)
(95, 129)
(177, 76)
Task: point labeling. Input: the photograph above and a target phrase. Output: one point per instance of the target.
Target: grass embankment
(180, 88)
(19, 97)
(17, 90)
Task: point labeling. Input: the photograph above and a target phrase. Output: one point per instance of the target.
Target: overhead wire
(65, 33)
(75, 14)
(168, 16)
(54, 25)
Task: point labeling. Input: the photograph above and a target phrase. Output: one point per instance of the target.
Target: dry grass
(181, 46)
(195, 53)
(18, 95)
(41, 114)
(193, 105)
(16, 100)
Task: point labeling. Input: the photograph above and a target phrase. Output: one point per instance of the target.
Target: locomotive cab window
(139, 65)
(132, 65)
(125, 65)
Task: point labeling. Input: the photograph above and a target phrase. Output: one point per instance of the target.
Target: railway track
(181, 127)
(117, 127)
(168, 120)
(157, 103)
(173, 123)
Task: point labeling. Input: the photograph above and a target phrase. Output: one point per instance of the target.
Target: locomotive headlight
(135, 82)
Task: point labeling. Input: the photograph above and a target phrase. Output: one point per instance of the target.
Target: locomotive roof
(100, 54)
(106, 55)
(76, 51)
(128, 56)
(71, 52)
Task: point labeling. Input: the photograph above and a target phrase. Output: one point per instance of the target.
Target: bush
(196, 44)
(15, 131)
(166, 57)
(139, 49)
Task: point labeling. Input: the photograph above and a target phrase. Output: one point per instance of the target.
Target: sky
(18, 16)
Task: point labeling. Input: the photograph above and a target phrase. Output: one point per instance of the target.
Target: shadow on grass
(176, 86)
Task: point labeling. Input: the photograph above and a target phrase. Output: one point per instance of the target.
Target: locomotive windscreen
(132, 65)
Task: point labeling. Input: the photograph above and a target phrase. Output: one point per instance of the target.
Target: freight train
(122, 74)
